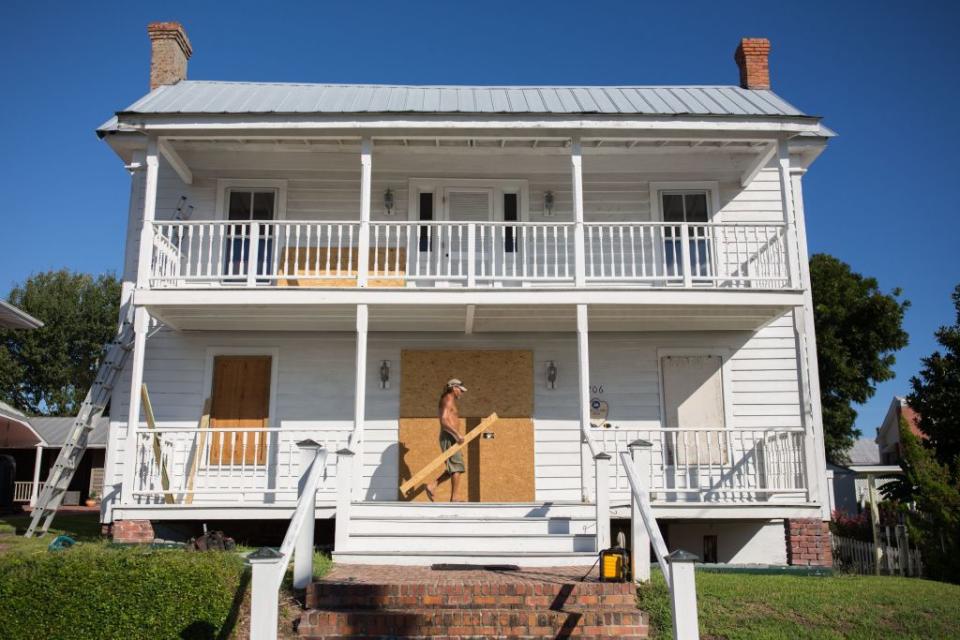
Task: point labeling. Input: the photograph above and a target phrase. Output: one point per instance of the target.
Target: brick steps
(364, 601)
(622, 622)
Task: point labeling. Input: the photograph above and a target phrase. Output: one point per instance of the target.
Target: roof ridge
(467, 86)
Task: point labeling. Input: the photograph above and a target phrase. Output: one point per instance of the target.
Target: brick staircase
(373, 601)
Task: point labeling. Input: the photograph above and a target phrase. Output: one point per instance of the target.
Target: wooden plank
(421, 475)
(157, 452)
(203, 425)
(241, 400)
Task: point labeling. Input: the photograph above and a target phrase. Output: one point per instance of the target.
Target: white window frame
(225, 184)
(272, 422)
(437, 186)
(711, 187)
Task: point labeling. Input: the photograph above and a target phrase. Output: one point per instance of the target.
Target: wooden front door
(500, 463)
(240, 400)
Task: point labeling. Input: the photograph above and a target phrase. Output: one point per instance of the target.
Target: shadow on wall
(383, 481)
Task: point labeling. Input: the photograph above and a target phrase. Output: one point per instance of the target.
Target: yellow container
(613, 565)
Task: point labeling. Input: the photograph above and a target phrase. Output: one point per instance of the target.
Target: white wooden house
(600, 265)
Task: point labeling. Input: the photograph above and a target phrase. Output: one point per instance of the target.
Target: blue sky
(883, 74)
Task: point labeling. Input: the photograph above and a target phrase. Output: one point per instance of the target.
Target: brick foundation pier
(808, 542)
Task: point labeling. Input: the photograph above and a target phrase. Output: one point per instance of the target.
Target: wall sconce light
(384, 374)
(548, 202)
(551, 375)
(388, 201)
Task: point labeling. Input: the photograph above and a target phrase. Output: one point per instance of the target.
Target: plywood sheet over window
(240, 400)
(500, 467)
(693, 399)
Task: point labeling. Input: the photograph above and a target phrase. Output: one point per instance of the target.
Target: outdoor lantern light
(384, 374)
(551, 375)
(388, 201)
(548, 202)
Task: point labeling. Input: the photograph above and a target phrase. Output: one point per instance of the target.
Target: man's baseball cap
(454, 383)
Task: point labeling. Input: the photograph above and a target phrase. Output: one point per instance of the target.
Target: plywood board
(307, 261)
(240, 400)
(498, 469)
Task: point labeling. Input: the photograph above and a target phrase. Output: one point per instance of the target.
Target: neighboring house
(318, 259)
(34, 443)
(888, 434)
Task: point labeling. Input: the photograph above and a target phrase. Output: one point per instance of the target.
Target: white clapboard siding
(315, 390)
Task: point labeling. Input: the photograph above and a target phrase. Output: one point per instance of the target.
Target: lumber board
(203, 425)
(157, 452)
(421, 475)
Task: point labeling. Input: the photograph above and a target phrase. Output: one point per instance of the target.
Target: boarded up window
(241, 407)
(693, 399)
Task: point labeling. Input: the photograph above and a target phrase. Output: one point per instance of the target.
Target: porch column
(808, 366)
(791, 252)
(363, 246)
(149, 212)
(35, 489)
(579, 247)
(141, 321)
(360, 396)
(583, 369)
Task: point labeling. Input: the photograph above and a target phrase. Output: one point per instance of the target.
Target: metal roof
(12, 317)
(54, 431)
(864, 451)
(213, 97)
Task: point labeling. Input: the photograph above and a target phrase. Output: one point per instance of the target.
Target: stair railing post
(683, 596)
(264, 600)
(601, 463)
(345, 463)
(639, 538)
(303, 551)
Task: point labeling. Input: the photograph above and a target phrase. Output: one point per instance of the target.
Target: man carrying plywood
(449, 436)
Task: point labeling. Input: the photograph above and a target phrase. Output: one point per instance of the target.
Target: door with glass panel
(690, 207)
(243, 206)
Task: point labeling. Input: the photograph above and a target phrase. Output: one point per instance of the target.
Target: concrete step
(428, 558)
(474, 542)
(429, 523)
(473, 510)
(624, 623)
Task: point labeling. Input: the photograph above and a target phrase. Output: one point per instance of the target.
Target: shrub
(95, 591)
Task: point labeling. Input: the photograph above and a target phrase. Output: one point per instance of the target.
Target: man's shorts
(454, 462)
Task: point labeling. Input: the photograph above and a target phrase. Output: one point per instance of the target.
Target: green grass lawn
(82, 527)
(739, 606)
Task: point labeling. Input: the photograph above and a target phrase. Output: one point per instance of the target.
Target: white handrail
(269, 566)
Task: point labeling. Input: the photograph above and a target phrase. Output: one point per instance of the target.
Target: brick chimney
(169, 51)
(752, 58)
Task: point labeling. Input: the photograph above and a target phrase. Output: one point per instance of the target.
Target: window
(710, 549)
(689, 207)
(244, 205)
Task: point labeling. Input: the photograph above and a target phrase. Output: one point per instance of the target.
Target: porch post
(303, 550)
(141, 321)
(149, 212)
(363, 246)
(360, 397)
(639, 538)
(602, 465)
(579, 248)
(345, 465)
(791, 248)
(583, 368)
(35, 489)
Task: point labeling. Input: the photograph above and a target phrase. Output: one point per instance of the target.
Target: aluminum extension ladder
(73, 449)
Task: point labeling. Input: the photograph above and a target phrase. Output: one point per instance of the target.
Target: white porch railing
(714, 465)
(253, 466)
(22, 490)
(471, 254)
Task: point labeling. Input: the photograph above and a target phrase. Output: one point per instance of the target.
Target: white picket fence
(857, 556)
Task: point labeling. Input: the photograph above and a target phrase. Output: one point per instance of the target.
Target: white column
(579, 247)
(303, 549)
(366, 176)
(810, 368)
(149, 213)
(141, 321)
(35, 489)
(789, 217)
(265, 564)
(360, 397)
(683, 596)
(639, 538)
(602, 476)
(583, 372)
(345, 465)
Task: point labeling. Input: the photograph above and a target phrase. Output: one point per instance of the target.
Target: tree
(858, 328)
(936, 394)
(48, 371)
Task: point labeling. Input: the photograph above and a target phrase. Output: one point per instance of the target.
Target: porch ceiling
(469, 318)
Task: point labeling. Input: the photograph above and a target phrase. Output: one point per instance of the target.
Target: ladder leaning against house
(98, 396)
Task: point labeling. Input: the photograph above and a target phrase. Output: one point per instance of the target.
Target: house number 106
(596, 388)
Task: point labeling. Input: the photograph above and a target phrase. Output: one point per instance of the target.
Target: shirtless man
(449, 436)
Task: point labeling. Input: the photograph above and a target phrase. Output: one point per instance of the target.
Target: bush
(95, 591)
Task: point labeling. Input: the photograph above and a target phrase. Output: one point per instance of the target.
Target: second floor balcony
(431, 254)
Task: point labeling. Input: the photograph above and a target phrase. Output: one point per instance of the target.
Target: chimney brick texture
(169, 51)
(752, 57)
